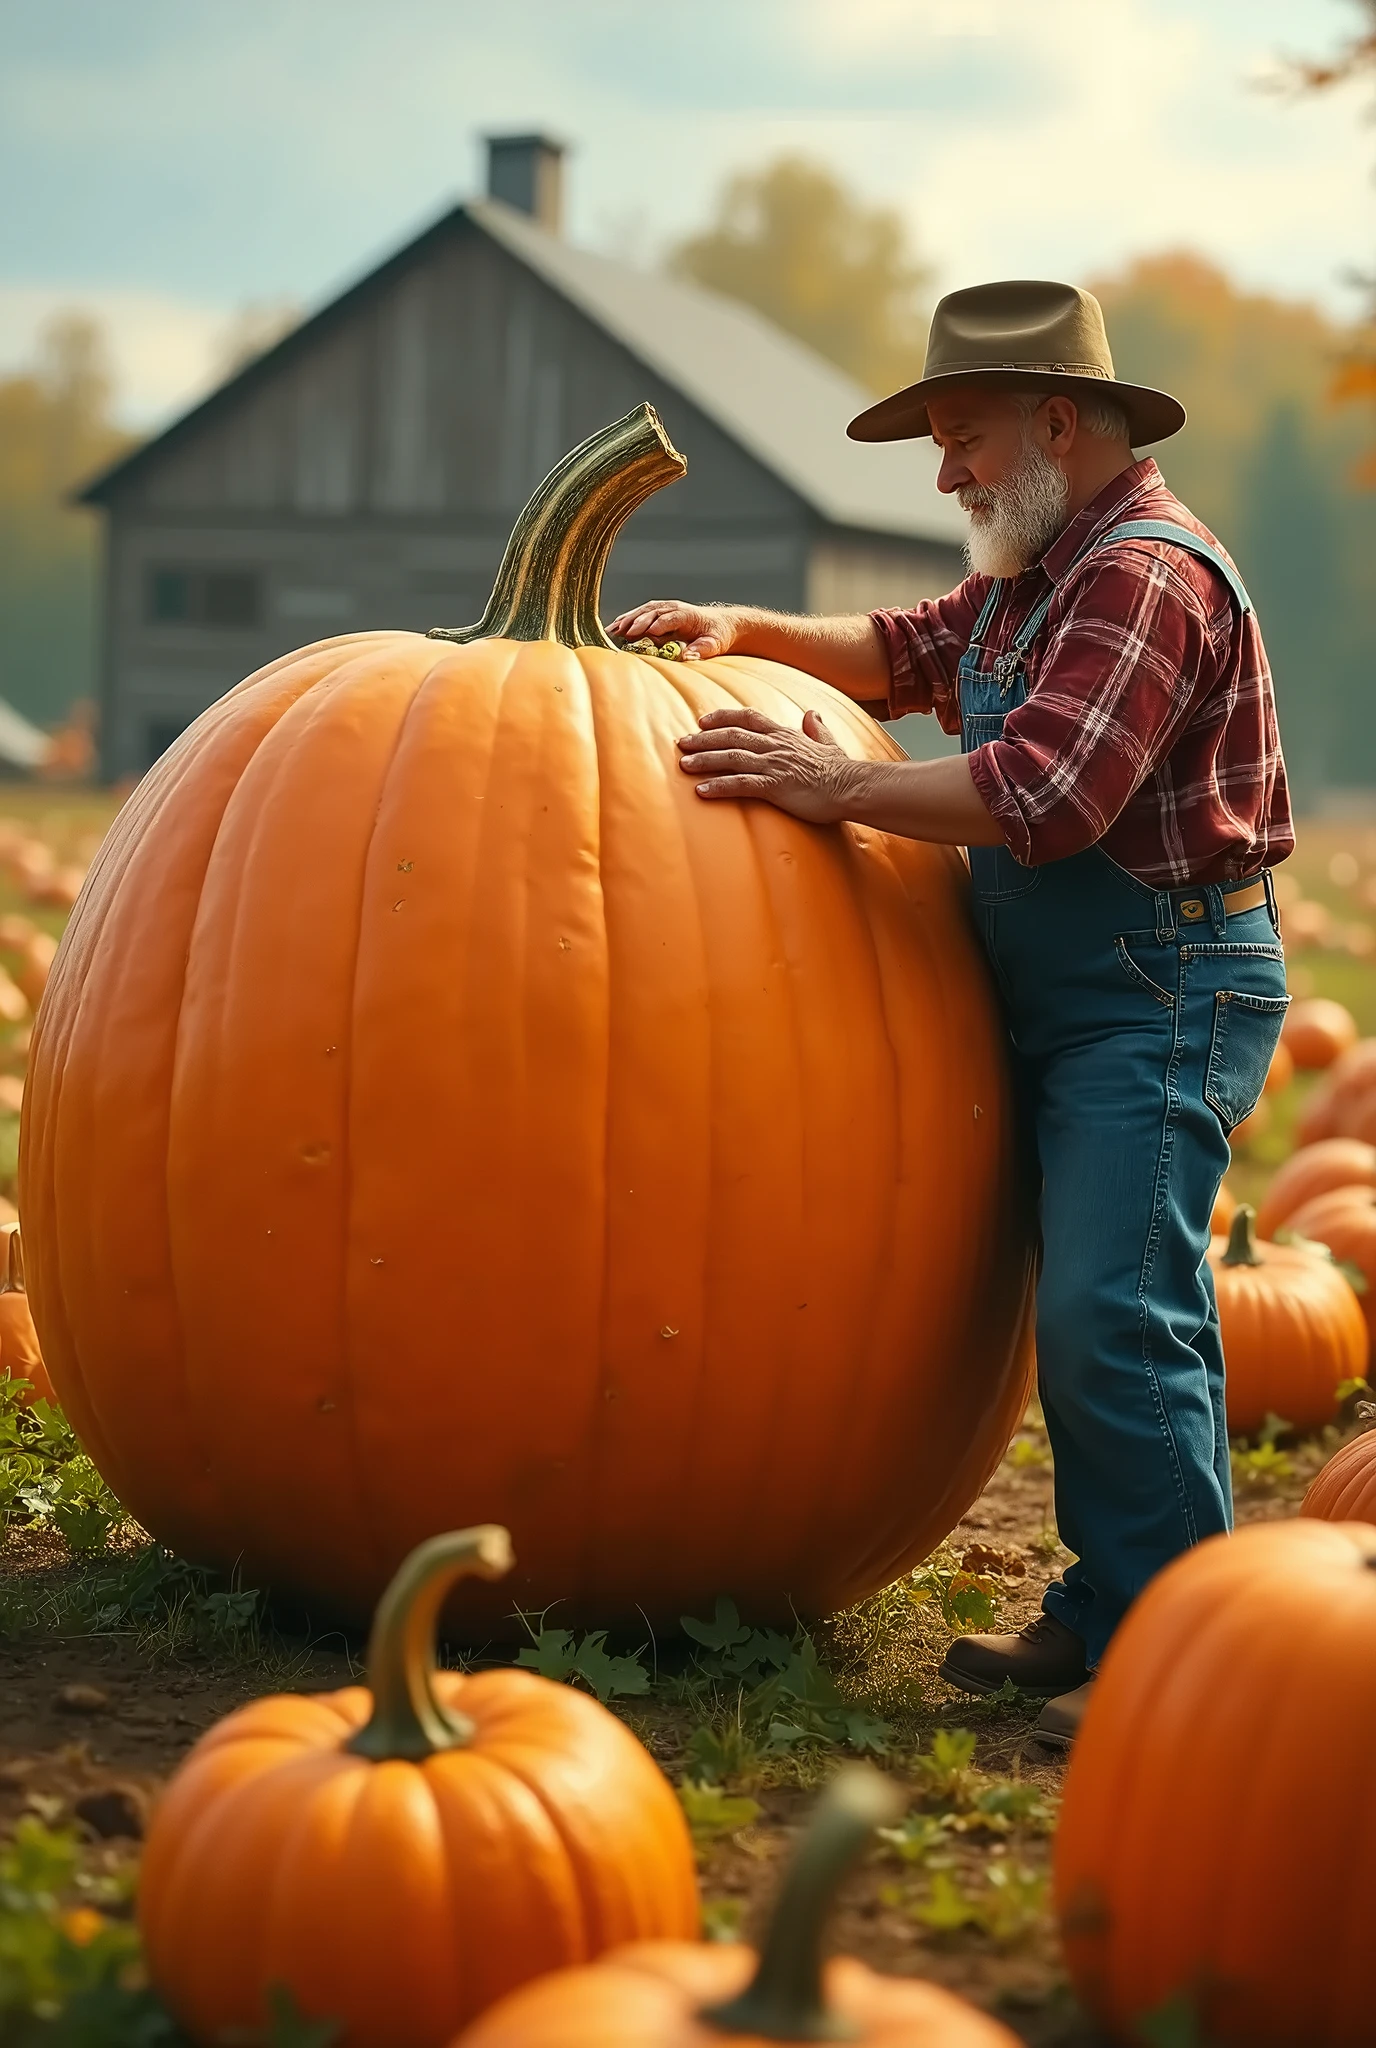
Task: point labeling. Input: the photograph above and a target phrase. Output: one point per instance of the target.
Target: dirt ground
(92, 1725)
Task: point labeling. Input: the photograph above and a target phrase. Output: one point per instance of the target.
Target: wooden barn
(366, 471)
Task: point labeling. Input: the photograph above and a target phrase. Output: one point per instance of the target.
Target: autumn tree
(1356, 374)
(795, 243)
(55, 430)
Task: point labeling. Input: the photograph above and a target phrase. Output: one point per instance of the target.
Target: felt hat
(1023, 334)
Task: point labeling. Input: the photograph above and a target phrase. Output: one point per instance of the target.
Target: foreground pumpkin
(1316, 1031)
(1345, 1490)
(400, 1856)
(1215, 1850)
(20, 1357)
(1313, 1170)
(700, 1995)
(437, 1114)
(1291, 1325)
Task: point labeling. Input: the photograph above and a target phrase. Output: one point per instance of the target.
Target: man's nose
(952, 474)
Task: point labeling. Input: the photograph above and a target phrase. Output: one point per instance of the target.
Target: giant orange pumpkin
(1317, 1030)
(437, 1114)
(397, 1857)
(1291, 1326)
(1215, 1853)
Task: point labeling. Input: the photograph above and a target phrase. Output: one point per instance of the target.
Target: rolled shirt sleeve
(924, 647)
(1128, 659)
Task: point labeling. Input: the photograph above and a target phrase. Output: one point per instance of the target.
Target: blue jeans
(1140, 1039)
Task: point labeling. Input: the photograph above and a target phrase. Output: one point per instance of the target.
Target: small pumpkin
(1224, 1210)
(1345, 1490)
(20, 1356)
(707, 1995)
(1316, 1031)
(1281, 1071)
(1313, 1170)
(1292, 1328)
(1213, 1851)
(398, 1856)
(1344, 1219)
(1347, 1079)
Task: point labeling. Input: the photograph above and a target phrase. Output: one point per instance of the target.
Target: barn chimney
(527, 171)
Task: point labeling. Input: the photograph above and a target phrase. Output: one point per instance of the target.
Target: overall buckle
(1005, 670)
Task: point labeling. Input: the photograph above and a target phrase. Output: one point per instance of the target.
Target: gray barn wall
(369, 472)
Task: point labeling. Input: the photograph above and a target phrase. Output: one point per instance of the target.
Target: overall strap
(1181, 537)
(991, 605)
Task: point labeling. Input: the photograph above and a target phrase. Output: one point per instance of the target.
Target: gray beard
(1023, 515)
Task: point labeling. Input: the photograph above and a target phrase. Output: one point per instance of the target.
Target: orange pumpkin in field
(1345, 1490)
(1316, 1031)
(1281, 1071)
(1332, 1108)
(397, 1857)
(1313, 1170)
(1345, 1220)
(1291, 1326)
(660, 1994)
(438, 1114)
(1242, 1683)
(20, 1357)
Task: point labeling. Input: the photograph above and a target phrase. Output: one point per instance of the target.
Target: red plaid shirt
(1150, 722)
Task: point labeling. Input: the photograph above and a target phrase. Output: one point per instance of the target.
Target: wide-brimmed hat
(1023, 334)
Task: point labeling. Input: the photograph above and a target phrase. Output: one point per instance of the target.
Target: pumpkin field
(116, 1654)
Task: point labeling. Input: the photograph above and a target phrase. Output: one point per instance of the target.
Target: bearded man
(1122, 797)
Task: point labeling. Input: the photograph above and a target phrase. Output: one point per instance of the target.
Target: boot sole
(964, 1681)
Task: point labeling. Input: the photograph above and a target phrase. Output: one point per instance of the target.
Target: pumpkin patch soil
(91, 1726)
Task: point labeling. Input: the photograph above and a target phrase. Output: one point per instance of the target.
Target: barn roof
(775, 397)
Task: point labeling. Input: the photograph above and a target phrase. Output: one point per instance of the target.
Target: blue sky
(167, 161)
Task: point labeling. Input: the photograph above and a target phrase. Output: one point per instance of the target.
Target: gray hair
(1102, 416)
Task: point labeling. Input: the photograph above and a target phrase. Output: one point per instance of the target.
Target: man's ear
(1062, 417)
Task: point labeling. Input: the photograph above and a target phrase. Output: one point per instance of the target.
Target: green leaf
(553, 1654)
(917, 1835)
(947, 1909)
(711, 1812)
(1172, 2025)
(721, 1919)
(609, 1676)
(725, 1631)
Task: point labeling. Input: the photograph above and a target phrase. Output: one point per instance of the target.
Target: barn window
(218, 598)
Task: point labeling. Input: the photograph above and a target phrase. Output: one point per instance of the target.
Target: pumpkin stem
(407, 1721)
(551, 575)
(784, 2001)
(1242, 1239)
(13, 1282)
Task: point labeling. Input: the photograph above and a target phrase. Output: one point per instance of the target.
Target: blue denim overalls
(1143, 1023)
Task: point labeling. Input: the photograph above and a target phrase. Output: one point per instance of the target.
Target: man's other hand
(705, 629)
(741, 753)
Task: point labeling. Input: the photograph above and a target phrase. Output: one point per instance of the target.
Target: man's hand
(741, 753)
(705, 629)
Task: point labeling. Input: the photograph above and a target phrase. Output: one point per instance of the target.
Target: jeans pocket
(1246, 1032)
(1137, 974)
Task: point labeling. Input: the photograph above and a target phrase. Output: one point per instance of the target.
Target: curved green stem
(551, 575)
(784, 2001)
(1242, 1239)
(407, 1721)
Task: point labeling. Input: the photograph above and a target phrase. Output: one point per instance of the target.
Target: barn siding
(370, 475)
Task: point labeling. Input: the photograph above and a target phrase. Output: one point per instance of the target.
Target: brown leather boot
(1045, 1658)
(1059, 1721)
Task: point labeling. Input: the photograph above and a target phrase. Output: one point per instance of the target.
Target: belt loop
(1218, 909)
(1165, 917)
(1271, 903)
